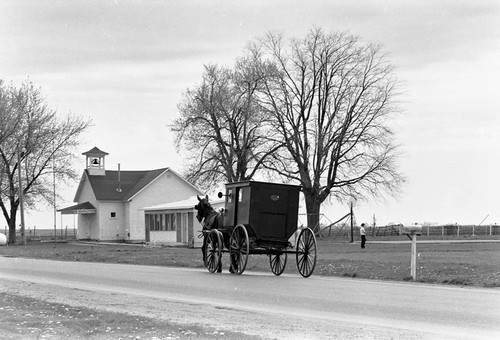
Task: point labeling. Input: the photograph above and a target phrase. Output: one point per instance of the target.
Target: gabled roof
(131, 183)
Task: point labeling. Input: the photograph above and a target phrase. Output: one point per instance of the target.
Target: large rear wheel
(306, 252)
(214, 251)
(239, 248)
(278, 262)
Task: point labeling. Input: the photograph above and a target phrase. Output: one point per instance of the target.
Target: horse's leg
(219, 267)
(204, 248)
(231, 258)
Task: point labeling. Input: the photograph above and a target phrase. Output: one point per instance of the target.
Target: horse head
(203, 208)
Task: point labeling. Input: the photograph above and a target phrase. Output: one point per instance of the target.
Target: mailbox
(415, 229)
(412, 231)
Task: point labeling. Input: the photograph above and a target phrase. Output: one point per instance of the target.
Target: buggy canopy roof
(182, 205)
(82, 208)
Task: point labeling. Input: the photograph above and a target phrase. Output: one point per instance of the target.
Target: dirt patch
(38, 315)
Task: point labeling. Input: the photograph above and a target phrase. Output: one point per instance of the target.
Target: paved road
(319, 307)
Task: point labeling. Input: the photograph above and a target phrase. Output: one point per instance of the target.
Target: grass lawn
(468, 264)
(473, 264)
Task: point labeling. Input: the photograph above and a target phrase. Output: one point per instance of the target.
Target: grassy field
(467, 264)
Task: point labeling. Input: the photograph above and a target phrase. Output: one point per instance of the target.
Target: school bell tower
(96, 162)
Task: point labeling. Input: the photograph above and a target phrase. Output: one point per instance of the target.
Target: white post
(414, 256)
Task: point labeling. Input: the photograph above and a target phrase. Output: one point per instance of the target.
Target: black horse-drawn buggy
(259, 218)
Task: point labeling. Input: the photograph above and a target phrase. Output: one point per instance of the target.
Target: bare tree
(332, 99)
(29, 127)
(220, 126)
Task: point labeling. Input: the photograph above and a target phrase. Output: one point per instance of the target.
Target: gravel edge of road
(100, 303)
(233, 323)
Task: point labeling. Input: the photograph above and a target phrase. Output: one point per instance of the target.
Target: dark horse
(209, 219)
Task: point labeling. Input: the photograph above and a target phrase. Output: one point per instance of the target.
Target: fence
(461, 230)
(343, 231)
(36, 234)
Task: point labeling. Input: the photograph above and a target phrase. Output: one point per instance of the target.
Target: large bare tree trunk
(12, 225)
(313, 207)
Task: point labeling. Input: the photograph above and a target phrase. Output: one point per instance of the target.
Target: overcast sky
(125, 65)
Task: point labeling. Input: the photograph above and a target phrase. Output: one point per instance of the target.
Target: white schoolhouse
(133, 206)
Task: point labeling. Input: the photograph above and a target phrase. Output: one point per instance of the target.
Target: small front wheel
(239, 248)
(278, 262)
(214, 251)
(306, 252)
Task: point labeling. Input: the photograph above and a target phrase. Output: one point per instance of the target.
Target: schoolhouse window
(113, 214)
(151, 222)
(168, 222)
(173, 224)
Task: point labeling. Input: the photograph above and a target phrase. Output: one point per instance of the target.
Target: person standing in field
(362, 232)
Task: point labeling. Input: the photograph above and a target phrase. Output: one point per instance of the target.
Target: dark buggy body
(260, 218)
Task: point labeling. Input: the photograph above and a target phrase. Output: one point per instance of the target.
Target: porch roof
(81, 208)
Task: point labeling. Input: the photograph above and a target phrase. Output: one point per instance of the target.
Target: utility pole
(54, 182)
(374, 225)
(352, 223)
(21, 194)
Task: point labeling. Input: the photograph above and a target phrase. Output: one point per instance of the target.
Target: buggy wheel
(278, 262)
(239, 248)
(214, 251)
(306, 252)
